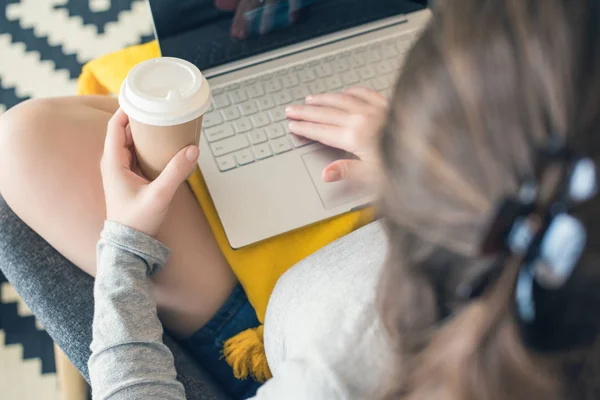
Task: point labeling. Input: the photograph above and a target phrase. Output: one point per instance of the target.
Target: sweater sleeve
(129, 360)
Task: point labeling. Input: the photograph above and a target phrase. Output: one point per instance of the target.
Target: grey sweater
(323, 336)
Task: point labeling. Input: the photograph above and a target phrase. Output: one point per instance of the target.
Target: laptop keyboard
(247, 121)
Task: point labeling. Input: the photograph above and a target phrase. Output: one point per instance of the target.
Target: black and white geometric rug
(43, 45)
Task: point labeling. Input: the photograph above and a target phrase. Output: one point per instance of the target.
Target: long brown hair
(487, 83)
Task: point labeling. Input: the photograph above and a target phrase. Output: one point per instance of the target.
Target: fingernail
(291, 125)
(309, 99)
(332, 175)
(192, 153)
(289, 110)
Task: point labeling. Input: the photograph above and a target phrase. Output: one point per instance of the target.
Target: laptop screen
(209, 33)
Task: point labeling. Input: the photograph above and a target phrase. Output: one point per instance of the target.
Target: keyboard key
(357, 61)
(314, 63)
(221, 101)
(217, 91)
(238, 96)
(260, 120)
(350, 77)
(243, 125)
(389, 50)
(299, 141)
(232, 87)
(218, 132)
(248, 108)
(282, 72)
(390, 79)
(285, 125)
(226, 163)
(255, 91)
(250, 81)
(290, 80)
(281, 145)
(403, 44)
(360, 50)
(230, 113)
(261, 151)
(257, 136)
(274, 131)
(366, 72)
(373, 55)
(367, 84)
(277, 114)
(229, 145)
(333, 83)
(379, 84)
(283, 97)
(307, 75)
(273, 86)
(244, 157)
(300, 93)
(265, 103)
(384, 67)
(266, 77)
(212, 119)
(324, 70)
(317, 87)
(340, 66)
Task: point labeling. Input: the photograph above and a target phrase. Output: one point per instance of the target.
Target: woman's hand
(131, 199)
(349, 121)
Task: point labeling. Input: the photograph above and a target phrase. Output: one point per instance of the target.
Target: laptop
(260, 56)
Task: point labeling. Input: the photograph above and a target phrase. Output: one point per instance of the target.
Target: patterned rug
(43, 45)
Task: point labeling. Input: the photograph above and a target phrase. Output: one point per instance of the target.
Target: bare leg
(50, 152)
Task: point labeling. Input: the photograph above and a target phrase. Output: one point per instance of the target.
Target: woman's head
(488, 84)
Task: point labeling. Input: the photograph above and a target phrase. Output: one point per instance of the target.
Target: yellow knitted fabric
(258, 267)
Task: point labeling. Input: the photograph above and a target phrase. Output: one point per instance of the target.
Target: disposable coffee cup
(165, 99)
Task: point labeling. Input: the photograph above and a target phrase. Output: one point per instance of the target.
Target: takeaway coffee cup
(165, 99)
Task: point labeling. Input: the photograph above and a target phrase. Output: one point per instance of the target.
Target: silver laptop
(263, 180)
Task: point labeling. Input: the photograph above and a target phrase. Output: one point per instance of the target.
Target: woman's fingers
(341, 170)
(339, 101)
(321, 115)
(329, 135)
(116, 145)
(367, 95)
(175, 173)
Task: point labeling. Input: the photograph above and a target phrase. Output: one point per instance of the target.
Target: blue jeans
(235, 316)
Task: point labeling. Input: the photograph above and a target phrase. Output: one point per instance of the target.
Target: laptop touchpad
(336, 193)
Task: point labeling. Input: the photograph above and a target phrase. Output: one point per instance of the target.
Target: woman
(494, 118)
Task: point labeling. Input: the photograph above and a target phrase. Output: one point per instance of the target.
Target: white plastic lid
(164, 92)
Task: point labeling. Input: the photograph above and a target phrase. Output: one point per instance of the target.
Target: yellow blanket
(258, 267)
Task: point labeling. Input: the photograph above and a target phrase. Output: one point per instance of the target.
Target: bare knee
(39, 122)
(25, 117)
(51, 134)
(23, 136)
